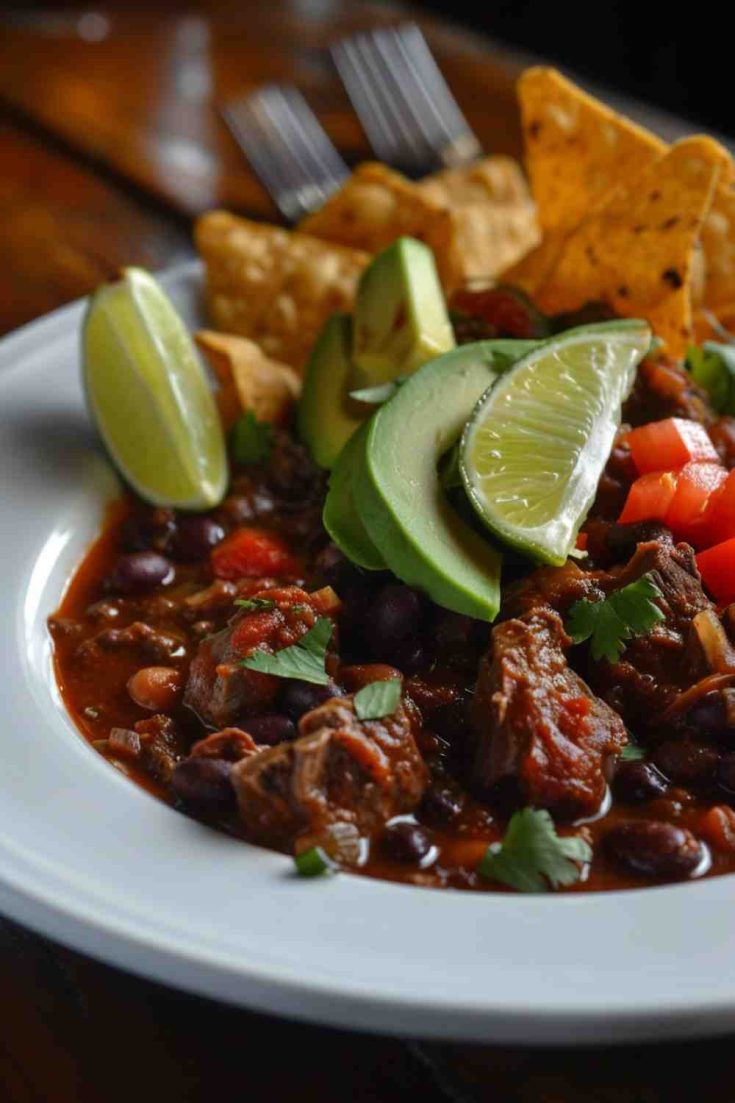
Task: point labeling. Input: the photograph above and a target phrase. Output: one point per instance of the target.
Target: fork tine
(287, 147)
(402, 99)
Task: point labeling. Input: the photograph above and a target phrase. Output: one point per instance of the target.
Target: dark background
(680, 57)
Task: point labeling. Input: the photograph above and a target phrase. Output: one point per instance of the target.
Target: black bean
(708, 717)
(651, 848)
(451, 721)
(451, 629)
(300, 697)
(440, 805)
(203, 785)
(140, 571)
(409, 656)
(271, 728)
(726, 772)
(393, 617)
(635, 782)
(149, 530)
(194, 538)
(684, 761)
(405, 842)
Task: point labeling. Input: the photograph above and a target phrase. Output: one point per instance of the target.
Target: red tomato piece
(719, 520)
(254, 553)
(717, 568)
(649, 498)
(696, 484)
(670, 444)
(581, 541)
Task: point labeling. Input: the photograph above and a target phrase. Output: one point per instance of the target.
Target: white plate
(88, 858)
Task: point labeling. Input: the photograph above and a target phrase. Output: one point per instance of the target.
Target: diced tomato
(254, 553)
(649, 497)
(670, 444)
(696, 484)
(717, 568)
(581, 541)
(719, 520)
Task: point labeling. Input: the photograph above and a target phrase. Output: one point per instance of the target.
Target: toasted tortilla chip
(273, 286)
(635, 250)
(577, 148)
(718, 241)
(496, 179)
(248, 379)
(532, 270)
(714, 326)
(374, 207)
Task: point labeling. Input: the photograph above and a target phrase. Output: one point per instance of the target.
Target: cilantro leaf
(628, 612)
(251, 440)
(713, 367)
(303, 660)
(632, 753)
(532, 857)
(255, 604)
(378, 699)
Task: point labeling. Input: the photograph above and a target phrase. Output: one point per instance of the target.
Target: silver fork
(287, 147)
(402, 100)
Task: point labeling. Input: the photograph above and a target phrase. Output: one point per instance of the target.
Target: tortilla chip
(374, 207)
(635, 250)
(715, 326)
(493, 179)
(718, 241)
(532, 270)
(248, 379)
(274, 286)
(577, 149)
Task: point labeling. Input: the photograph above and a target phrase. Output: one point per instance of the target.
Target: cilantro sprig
(532, 857)
(378, 699)
(256, 604)
(608, 624)
(251, 440)
(304, 659)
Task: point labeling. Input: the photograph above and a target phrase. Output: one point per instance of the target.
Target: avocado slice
(397, 486)
(401, 318)
(341, 518)
(327, 416)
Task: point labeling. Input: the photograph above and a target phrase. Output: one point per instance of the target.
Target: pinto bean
(156, 688)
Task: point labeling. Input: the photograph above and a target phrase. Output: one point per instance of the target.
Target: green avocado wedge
(340, 517)
(401, 317)
(397, 488)
(327, 416)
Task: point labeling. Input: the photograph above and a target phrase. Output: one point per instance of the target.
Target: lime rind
(537, 442)
(149, 395)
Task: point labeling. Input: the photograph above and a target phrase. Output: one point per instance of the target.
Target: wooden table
(109, 145)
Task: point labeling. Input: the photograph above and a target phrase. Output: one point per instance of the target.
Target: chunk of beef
(220, 690)
(550, 587)
(665, 389)
(340, 770)
(151, 643)
(656, 667)
(536, 722)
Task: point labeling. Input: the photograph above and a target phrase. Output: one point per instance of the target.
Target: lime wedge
(149, 395)
(535, 447)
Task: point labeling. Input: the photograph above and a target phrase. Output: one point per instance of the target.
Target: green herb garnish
(313, 863)
(378, 699)
(713, 367)
(626, 613)
(631, 752)
(255, 603)
(251, 440)
(304, 659)
(532, 857)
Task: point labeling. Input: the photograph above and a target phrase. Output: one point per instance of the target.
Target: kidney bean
(393, 617)
(451, 721)
(194, 538)
(635, 782)
(203, 785)
(651, 848)
(300, 697)
(140, 571)
(726, 772)
(685, 761)
(270, 728)
(405, 842)
(409, 656)
(708, 717)
(451, 629)
(156, 688)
